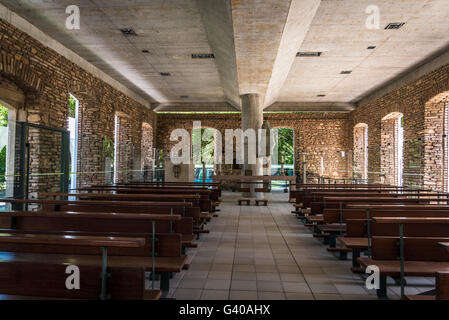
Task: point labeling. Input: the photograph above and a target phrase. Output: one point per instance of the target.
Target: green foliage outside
(285, 145)
(207, 146)
(108, 148)
(3, 123)
(72, 107)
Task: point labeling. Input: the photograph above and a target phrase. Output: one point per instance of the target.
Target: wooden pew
(189, 226)
(214, 188)
(307, 192)
(356, 237)
(205, 201)
(209, 185)
(189, 209)
(36, 276)
(344, 202)
(418, 255)
(256, 200)
(199, 218)
(319, 196)
(441, 283)
(167, 246)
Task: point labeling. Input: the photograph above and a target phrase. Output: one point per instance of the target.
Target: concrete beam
(217, 20)
(298, 23)
(196, 107)
(311, 106)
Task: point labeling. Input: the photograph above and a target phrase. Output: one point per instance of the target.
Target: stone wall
(316, 135)
(360, 150)
(46, 78)
(421, 102)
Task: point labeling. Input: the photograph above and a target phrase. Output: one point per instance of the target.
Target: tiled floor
(266, 253)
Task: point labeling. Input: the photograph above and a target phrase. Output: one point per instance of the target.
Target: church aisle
(266, 253)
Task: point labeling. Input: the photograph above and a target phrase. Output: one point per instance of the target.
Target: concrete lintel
(311, 106)
(196, 107)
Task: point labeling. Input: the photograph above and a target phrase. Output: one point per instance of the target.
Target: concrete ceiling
(255, 44)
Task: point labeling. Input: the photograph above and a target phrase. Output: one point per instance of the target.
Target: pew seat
(246, 200)
(315, 219)
(391, 268)
(264, 201)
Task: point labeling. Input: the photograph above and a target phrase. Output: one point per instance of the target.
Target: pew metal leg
(355, 256)
(165, 283)
(382, 291)
(104, 274)
(332, 240)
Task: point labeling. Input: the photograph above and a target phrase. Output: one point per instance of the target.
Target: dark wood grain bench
(184, 226)
(418, 256)
(205, 201)
(244, 200)
(97, 280)
(166, 245)
(264, 201)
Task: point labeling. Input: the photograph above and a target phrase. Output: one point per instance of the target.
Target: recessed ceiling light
(165, 74)
(309, 54)
(394, 25)
(371, 47)
(128, 31)
(203, 56)
(345, 72)
(145, 51)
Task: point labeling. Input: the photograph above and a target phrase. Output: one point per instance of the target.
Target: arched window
(436, 143)
(204, 149)
(392, 146)
(73, 129)
(361, 151)
(286, 157)
(146, 152)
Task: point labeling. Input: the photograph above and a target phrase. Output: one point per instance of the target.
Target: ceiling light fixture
(203, 56)
(309, 54)
(394, 25)
(128, 31)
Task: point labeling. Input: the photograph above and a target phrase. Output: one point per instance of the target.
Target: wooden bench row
(414, 249)
(165, 221)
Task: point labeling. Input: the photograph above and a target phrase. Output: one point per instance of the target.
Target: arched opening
(286, 157)
(392, 148)
(125, 163)
(360, 155)
(203, 153)
(73, 129)
(435, 145)
(146, 153)
(12, 99)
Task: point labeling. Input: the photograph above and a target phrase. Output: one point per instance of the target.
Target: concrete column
(252, 118)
